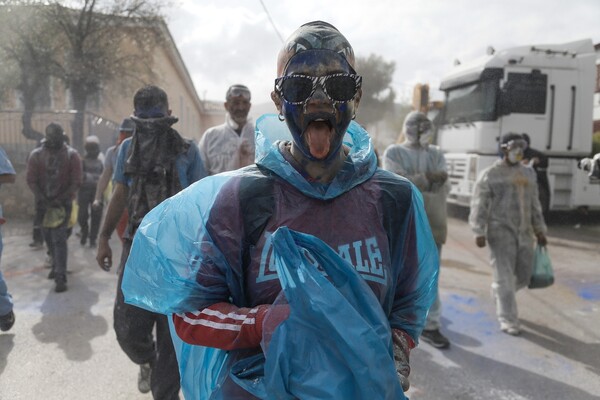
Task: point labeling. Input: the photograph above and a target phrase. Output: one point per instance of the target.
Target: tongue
(318, 138)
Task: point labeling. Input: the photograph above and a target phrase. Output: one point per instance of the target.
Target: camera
(591, 166)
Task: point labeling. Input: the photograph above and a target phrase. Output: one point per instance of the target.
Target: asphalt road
(63, 345)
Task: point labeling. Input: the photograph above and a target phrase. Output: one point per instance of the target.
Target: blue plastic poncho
(372, 218)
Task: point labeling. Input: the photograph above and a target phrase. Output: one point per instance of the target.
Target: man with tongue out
(210, 248)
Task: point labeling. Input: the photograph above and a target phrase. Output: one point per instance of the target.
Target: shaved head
(314, 35)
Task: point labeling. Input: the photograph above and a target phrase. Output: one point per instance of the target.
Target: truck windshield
(472, 102)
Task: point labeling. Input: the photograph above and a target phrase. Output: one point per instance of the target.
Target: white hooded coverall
(505, 208)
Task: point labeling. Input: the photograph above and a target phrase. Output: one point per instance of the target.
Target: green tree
(95, 43)
(377, 93)
(26, 60)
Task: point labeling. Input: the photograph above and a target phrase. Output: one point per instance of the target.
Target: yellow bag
(54, 217)
(74, 213)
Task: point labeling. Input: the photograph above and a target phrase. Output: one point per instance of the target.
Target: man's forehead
(312, 36)
(315, 62)
(237, 92)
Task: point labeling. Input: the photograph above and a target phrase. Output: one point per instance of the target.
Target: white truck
(545, 91)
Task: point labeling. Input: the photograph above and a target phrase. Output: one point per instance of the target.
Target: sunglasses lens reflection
(340, 88)
(296, 89)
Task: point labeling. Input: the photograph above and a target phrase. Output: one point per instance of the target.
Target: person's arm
(480, 204)
(415, 266)
(202, 147)
(102, 184)
(222, 325)
(537, 216)
(392, 161)
(33, 176)
(76, 174)
(116, 206)
(439, 174)
(196, 170)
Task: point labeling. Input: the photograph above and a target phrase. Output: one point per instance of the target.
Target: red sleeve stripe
(220, 315)
(219, 320)
(222, 325)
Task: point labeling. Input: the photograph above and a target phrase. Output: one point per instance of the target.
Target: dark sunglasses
(296, 88)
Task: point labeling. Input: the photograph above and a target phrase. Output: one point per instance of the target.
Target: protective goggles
(422, 125)
(513, 144)
(236, 91)
(297, 89)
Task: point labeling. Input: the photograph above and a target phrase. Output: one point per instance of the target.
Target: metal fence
(18, 146)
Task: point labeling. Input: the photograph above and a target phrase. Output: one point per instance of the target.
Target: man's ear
(357, 98)
(169, 111)
(277, 100)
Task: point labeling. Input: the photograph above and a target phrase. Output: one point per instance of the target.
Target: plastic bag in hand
(336, 342)
(542, 276)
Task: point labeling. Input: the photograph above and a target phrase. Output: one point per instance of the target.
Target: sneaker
(61, 286)
(512, 330)
(144, 378)
(435, 338)
(82, 241)
(7, 321)
(36, 245)
(51, 274)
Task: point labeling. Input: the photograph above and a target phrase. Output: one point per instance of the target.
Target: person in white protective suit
(505, 210)
(424, 165)
(230, 146)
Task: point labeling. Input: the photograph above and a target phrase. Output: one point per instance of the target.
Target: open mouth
(319, 134)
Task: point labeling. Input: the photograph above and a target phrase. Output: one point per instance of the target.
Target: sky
(223, 42)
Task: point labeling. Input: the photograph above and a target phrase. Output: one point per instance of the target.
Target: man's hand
(541, 239)
(437, 177)
(480, 241)
(402, 344)
(104, 254)
(97, 204)
(245, 147)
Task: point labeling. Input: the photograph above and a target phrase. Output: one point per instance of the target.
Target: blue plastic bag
(542, 275)
(336, 342)
(202, 369)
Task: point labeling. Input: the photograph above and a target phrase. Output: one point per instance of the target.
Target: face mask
(515, 155)
(426, 138)
(412, 134)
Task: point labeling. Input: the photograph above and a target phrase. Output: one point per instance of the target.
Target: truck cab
(545, 91)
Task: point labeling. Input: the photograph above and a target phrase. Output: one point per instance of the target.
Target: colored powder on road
(590, 292)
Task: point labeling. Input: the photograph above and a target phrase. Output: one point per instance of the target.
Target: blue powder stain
(463, 299)
(590, 293)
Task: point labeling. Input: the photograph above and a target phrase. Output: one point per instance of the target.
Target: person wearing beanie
(209, 257)
(54, 175)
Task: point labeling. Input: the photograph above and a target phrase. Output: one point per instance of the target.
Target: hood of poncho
(360, 164)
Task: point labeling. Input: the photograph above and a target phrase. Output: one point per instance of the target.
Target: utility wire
(271, 20)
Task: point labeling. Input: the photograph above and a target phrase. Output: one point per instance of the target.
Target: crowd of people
(203, 271)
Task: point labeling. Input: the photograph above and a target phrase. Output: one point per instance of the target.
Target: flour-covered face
(514, 150)
(318, 94)
(418, 128)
